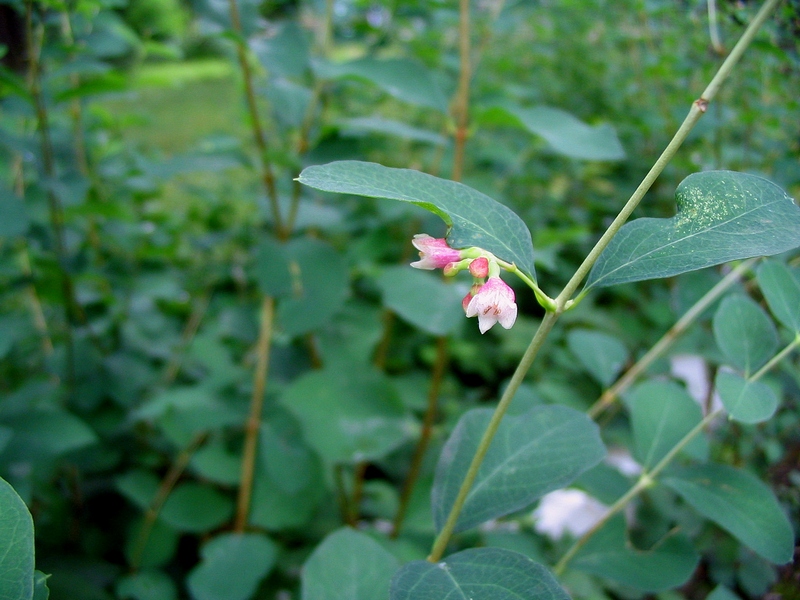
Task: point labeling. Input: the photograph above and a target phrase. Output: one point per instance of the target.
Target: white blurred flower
(567, 511)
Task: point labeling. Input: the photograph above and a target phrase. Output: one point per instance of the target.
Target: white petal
(508, 315)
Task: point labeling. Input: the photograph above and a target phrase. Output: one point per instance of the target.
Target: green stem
(697, 110)
(461, 101)
(443, 538)
(645, 481)
(623, 383)
(776, 359)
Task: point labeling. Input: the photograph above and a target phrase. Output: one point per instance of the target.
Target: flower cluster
(490, 298)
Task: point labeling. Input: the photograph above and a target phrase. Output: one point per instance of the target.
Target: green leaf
(349, 416)
(274, 509)
(532, 453)
(746, 401)
(196, 508)
(602, 355)
(232, 566)
(41, 433)
(15, 220)
(722, 593)
(138, 486)
(40, 589)
(662, 413)
(347, 565)
(216, 462)
(160, 546)
(739, 503)
(423, 299)
(366, 125)
(666, 565)
(16, 546)
(722, 216)
(406, 80)
(744, 333)
(319, 286)
(271, 268)
(477, 574)
(284, 54)
(474, 219)
(565, 133)
(781, 288)
(147, 585)
(290, 464)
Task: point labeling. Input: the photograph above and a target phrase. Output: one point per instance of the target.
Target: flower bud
(479, 268)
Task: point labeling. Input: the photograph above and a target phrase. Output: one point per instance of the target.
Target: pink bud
(434, 253)
(479, 267)
(493, 303)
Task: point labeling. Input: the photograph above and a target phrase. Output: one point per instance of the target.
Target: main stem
(560, 303)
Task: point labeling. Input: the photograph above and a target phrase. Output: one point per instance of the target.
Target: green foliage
(16, 547)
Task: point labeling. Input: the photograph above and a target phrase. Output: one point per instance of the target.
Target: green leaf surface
(290, 464)
(406, 80)
(41, 433)
(565, 133)
(474, 219)
(40, 589)
(477, 574)
(378, 125)
(608, 553)
(603, 355)
(722, 593)
(423, 299)
(781, 288)
(147, 585)
(744, 333)
(231, 567)
(284, 54)
(15, 219)
(739, 503)
(138, 486)
(745, 401)
(533, 453)
(216, 462)
(722, 216)
(662, 413)
(16, 546)
(196, 508)
(274, 509)
(348, 565)
(349, 416)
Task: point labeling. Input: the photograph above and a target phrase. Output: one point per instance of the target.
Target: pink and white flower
(434, 253)
(479, 268)
(493, 303)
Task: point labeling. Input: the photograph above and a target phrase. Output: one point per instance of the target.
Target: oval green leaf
(348, 565)
(739, 503)
(744, 333)
(196, 508)
(722, 216)
(602, 355)
(16, 545)
(533, 453)
(781, 288)
(474, 218)
(477, 574)
(746, 401)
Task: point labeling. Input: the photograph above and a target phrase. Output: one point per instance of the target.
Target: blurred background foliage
(137, 243)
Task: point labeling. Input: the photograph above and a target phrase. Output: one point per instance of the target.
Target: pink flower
(494, 302)
(433, 252)
(479, 267)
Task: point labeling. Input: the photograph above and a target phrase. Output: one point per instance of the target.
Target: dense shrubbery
(218, 382)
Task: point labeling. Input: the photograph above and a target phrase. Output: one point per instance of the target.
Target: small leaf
(746, 401)
(781, 288)
(474, 219)
(739, 503)
(477, 574)
(147, 585)
(232, 566)
(532, 453)
(284, 54)
(406, 80)
(666, 565)
(196, 508)
(379, 125)
(41, 433)
(602, 355)
(347, 565)
(722, 593)
(744, 333)
(722, 216)
(423, 299)
(662, 413)
(16, 546)
(565, 133)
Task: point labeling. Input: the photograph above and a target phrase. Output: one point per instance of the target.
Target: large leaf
(565, 133)
(608, 553)
(232, 566)
(405, 79)
(744, 333)
(781, 288)
(16, 546)
(738, 502)
(477, 574)
(662, 413)
(722, 216)
(532, 453)
(348, 565)
(43, 433)
(423, 299)
(196, 508)
(746, 401)
(474, 218)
